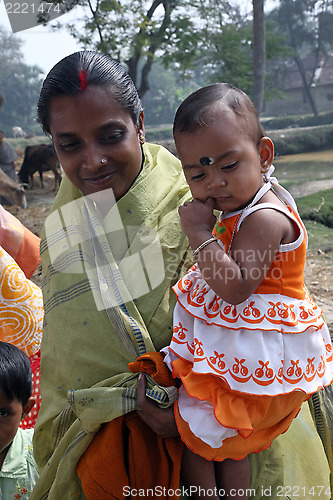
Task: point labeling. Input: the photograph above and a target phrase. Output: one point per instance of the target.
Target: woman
(111, 249)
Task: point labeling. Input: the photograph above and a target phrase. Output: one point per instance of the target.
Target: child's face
(236, 173)
(10, 416)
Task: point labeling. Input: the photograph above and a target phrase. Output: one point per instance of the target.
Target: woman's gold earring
(141, 138)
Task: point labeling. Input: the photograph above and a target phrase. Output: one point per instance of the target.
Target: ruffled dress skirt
(245, 369)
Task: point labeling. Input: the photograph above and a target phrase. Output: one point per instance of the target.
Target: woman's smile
(101, 179)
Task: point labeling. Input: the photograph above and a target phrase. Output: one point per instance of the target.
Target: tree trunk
(305, 84)
(155, 40)
(259, 54)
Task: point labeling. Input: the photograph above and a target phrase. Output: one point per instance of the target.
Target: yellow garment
(85, 380)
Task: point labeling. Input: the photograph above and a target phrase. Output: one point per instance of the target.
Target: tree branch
(96, 19)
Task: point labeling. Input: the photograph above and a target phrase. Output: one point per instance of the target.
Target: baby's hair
(193, 113)
(76, 72)
(15, 373)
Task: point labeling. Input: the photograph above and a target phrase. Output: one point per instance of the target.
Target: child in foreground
(18, 469)
(249, 344)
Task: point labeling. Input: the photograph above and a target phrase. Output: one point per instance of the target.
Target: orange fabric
(152, 363)
(21, 307)
(135, 455)
(260, 419)
(131, 450)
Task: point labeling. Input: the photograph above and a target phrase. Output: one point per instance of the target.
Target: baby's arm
(235, 277)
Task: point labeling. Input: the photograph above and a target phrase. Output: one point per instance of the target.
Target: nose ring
(103, 161)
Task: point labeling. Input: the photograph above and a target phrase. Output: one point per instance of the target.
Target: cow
(41, 158)
(10, 189)
(18, 132)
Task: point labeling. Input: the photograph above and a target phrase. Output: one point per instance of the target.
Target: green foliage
(165, 95)
(320, 236)
(19, 86)
(208, 38)
(317, 207)
(302, 140)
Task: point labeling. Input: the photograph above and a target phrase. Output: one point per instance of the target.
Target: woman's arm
(160, 420)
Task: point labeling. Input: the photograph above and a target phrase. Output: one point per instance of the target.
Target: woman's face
(92, 127)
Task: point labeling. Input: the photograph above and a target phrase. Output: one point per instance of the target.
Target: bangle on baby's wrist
(203, 245)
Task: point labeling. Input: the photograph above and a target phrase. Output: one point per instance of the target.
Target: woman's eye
(112, 136)
(3, 413)
(68, 146)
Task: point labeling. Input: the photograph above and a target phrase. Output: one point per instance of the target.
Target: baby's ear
(27, 409)
(266, 153)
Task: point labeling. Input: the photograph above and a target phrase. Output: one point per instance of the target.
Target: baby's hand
(197, 216)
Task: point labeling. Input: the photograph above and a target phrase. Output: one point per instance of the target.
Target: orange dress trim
(259, 418)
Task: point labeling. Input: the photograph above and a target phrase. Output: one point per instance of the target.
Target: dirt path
(310, 187)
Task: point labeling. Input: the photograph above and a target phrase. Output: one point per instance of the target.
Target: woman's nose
(94, 159)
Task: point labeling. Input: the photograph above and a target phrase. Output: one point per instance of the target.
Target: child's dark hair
(193, 113)
(15, 373)
(76, 72)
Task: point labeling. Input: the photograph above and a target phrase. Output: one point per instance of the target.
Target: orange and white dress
(247, 368)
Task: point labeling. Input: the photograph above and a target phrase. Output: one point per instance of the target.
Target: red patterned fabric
(30, 421)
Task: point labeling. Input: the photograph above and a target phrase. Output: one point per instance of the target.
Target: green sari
(135, 254)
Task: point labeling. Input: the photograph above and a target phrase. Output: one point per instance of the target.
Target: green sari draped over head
(107, 299)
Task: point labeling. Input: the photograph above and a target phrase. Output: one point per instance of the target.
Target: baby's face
(10, 416)
(234, 171)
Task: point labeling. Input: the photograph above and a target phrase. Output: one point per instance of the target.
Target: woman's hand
(197, 219)
(160, 420)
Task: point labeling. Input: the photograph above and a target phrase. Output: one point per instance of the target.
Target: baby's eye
(198, 177)
(3, 413)
(230, 166)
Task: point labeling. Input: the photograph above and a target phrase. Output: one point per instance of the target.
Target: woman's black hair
(193, 113)
(15, 373)
(76, 72)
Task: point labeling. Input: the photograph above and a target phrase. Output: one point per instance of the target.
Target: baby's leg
(233, 476)
(200, 474)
